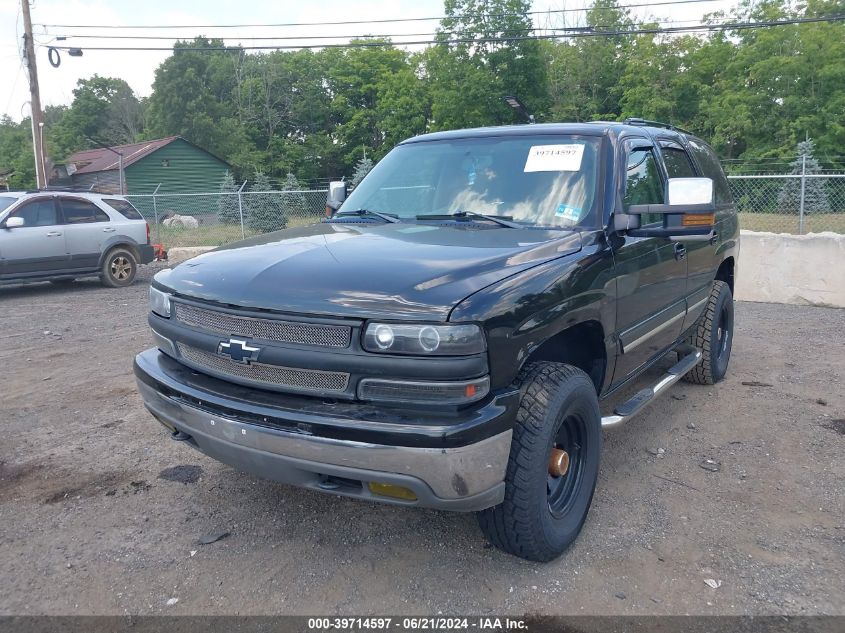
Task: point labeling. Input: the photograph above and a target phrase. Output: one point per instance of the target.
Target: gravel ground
(101, 514)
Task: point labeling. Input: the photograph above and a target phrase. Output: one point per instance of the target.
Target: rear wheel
(119, 268)
(553, 464)
(713, 335)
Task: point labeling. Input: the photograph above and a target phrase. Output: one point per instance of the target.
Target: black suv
(445, 339)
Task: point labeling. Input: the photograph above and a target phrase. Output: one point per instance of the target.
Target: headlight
(159, 302)
(424, 340)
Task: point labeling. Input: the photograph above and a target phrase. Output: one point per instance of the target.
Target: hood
(404, 271)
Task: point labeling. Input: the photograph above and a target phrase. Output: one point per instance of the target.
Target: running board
(629, 408)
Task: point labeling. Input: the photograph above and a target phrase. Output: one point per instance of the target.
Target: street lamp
(517, 105)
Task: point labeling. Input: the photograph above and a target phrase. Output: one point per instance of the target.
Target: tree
(104, 110)
(16, 153)
(293, 202)
(228, 211)
(362, 168)
(264, 206)
(815, 196)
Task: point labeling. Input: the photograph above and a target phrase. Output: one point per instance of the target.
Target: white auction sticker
(554, 157)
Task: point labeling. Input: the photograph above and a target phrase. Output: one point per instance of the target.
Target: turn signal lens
(698, 219)
(418, 392)
(389, 490)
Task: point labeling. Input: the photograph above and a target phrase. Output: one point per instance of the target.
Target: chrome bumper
(464, 478)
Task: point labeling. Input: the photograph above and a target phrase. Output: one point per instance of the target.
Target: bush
(264, 208)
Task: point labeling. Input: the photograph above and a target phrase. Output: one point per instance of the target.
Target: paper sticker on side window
(554, 157)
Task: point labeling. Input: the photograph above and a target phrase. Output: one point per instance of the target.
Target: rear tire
(713, 335)
(119, 268)
(542, 514)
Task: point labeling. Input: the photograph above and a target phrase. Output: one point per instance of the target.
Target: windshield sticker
(573, 214)
(554, 158)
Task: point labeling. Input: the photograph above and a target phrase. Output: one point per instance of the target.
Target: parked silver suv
(61, 235)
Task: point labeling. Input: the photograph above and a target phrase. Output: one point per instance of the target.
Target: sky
(138, 68)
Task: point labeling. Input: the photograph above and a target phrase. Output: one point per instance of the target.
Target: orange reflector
(389, 490)
(698, 219)
(470, 390)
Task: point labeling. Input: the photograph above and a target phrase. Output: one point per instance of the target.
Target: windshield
(535, 180)
(5, 202)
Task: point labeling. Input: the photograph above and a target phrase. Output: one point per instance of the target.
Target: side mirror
(15, 222)
(689, 213)
(337, 194)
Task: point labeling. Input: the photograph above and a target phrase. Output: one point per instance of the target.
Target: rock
(172, 601)
(620, 595)
(208, 539)
(756, 383)
(181, 222)
(712, 465)
(679, 396)
(821, 401)
(691, 425)
(712, 583)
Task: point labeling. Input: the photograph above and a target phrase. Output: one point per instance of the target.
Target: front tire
(119, 268)
(543, 513)
(713, 335)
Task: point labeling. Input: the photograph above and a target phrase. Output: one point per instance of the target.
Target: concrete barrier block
(179, 254)
(796, 269)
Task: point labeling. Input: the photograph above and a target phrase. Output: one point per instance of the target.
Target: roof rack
(66, 189)
(646, 122)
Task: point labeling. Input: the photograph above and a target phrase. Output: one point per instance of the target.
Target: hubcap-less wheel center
(558, 462)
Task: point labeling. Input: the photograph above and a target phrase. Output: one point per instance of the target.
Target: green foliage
(815, 197)
(16, 153)
(293, 201)
(228, 211)
(265, 211)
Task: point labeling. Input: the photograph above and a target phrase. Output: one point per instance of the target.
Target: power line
(572, 32)
(354, 37)
(345, 22)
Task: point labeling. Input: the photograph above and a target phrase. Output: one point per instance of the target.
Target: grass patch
(788, 223)
(211, 234)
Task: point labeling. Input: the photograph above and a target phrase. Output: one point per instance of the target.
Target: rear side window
(37, 213)
(677, 163)
(5, 201)
(711, 168)
(124, 208)
(82, 212)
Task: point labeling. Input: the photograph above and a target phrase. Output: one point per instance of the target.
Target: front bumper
(336, 447)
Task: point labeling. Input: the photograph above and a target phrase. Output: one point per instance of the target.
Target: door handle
(109, 229)
(714, 237)
(54, 233)
(680, 251)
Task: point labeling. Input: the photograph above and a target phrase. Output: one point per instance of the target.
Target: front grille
(275, 330)
(281, 378)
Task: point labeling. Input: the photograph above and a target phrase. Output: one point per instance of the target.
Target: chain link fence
(786, 203)
(779, 203)
(213, 219)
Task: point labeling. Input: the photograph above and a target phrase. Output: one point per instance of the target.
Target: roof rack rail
(66, 189)
(647, 122)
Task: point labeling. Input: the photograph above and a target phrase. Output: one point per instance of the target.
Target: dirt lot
(100, 512)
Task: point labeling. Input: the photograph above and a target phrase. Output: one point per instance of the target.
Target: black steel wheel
(553, 466)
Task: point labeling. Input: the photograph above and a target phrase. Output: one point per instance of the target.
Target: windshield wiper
(501, 220)
(387, 217)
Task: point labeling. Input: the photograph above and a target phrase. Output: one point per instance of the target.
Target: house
(177, 165)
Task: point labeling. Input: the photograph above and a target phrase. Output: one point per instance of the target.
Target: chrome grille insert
(274, 330)
(275, 376)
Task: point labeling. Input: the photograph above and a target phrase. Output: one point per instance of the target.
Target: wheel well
(581, 346)
(132, 248)
(726, 272)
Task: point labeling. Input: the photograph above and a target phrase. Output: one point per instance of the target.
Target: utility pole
(35, 97)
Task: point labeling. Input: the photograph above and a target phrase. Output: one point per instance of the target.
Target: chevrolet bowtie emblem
(238, 350)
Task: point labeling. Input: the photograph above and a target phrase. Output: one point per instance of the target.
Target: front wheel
(119, 268)
(553, 464)
(713, 335)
